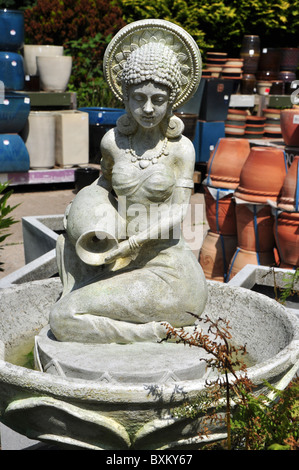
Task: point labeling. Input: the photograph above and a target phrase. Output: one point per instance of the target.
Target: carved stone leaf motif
(56, 421)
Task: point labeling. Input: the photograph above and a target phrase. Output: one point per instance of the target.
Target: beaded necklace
(145, 161)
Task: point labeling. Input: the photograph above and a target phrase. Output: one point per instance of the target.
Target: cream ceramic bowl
(54, 72)
(31, 51)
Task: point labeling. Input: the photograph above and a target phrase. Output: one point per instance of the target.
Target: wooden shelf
(64, 175)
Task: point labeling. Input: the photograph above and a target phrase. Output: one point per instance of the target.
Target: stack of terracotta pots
(261, 181)
(286, 227)
(223, 176)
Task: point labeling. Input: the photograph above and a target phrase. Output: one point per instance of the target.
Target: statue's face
(148, 103)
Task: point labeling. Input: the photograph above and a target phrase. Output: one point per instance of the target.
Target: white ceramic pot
(54, 72)
(31, 51)
(40, 140)
(72, 138)
(264, 88)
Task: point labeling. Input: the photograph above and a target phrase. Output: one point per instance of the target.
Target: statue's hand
(124, 250)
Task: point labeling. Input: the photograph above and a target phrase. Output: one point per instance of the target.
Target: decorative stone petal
(47, 419)
(182, 57)
(119, 57)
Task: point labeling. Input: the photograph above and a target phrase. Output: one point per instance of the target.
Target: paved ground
(40, 201)
(46, 200)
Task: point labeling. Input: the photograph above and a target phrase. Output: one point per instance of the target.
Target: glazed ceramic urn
(11, 30)
(262, 175)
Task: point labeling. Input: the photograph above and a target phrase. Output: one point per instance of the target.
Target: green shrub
(87, 78)
(221, 24)
(59, 21)
(5, 219)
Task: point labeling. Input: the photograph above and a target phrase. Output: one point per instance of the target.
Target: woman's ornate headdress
(153, 50)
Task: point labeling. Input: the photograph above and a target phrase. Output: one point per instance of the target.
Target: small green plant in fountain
(263, 422)
(5, 218)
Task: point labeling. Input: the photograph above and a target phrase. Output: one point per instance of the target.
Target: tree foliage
(221, 24)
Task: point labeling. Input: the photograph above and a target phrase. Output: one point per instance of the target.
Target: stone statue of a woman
(125, 267)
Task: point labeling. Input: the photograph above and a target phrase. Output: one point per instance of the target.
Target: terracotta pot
(225, 164)
(215, 255)
(271, 113)
(234, 130)
(286, 266)
(243, 257)
(237, 114)
(255, 227)
(262, 175)
(287, 237)
(255, 120)
(289, 122)
(289, 198)
(220, 211)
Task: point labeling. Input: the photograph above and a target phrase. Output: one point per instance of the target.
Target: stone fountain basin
(106, 414)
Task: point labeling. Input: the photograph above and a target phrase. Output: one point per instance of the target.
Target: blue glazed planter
(14, 111)
(11, 30)
(12, 70)
(14, 156)
(100, 121)
(103, 116)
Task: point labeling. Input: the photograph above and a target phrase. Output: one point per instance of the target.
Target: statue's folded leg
(128, 307)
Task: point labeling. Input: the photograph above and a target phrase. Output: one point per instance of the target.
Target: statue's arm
(107, 161)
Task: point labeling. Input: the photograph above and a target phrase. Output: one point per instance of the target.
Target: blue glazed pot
(100, 121)
(11, 30)
(103, 116)
(14, 111)
(12, 70)
(14, 156)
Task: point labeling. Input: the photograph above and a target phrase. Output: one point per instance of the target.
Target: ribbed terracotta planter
(289, 198)
(220, 211)
(262, 175)
(255, 227)
(225, 164)
(287, 237)
(243, 257)
(215, 255)
(289, 123)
